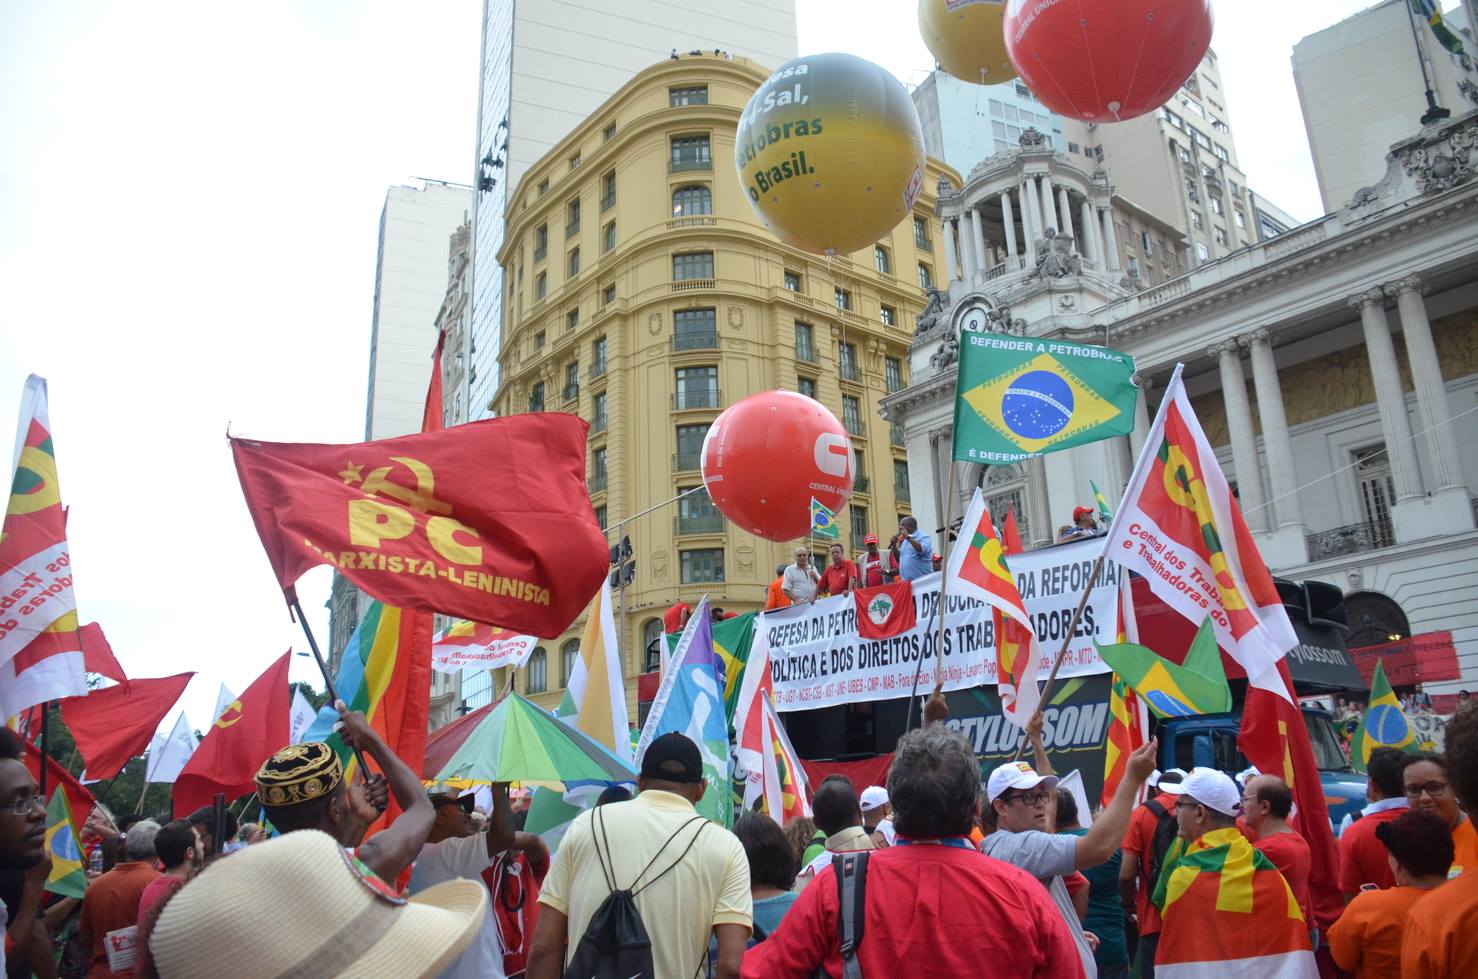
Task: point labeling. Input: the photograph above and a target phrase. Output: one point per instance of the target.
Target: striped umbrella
(518, 742)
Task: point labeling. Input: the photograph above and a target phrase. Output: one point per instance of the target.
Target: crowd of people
(932, 874)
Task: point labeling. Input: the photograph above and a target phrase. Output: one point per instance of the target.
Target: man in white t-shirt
(800, 580)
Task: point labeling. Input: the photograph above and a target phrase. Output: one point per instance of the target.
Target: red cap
(1078, 511)
(870, 539)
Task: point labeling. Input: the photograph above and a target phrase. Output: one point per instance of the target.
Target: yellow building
(643, 294)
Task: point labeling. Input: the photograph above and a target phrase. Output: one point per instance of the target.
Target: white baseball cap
(1214, 790)
(1016, 775)
(1175, 784)
(873, 797)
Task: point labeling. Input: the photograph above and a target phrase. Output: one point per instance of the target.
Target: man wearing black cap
(690, 877)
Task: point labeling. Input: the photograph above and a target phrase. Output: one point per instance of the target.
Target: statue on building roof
(933, 311)
(1056, 256)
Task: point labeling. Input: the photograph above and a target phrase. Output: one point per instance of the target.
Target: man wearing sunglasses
(1021, 826)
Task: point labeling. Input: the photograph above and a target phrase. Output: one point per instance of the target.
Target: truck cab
(1210, 741)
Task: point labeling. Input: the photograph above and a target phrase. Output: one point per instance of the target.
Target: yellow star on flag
(1039, 403)
(352, 474)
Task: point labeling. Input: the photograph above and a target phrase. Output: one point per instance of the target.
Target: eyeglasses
(1434, 789)
(23, 807)
(466, 803)
(1182, 804)
(1030, 798)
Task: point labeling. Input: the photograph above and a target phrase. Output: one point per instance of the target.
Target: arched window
(691, 200)
(1374, 619)
(651, 639)
(1005, 490)
(569, 653)
(538, 674)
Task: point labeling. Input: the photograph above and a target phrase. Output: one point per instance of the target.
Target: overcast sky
(189, 201)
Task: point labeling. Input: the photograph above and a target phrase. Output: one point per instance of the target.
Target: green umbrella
(518, 742)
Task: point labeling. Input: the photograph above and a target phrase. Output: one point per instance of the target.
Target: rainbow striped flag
(1228, 912)
(386, 673)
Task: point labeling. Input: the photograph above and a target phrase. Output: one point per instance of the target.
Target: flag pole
(140, 806)
(45, 725)
(949, 492)
(328, 681)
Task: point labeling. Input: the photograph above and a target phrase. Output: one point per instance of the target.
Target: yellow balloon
(830, 153)
(967, 38)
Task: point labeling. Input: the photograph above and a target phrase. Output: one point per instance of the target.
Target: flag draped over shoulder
(1383, 725)
(1229, 913)
(1020, 398)
(68, 877)
(977, 569)
(690, 701)
(1197, 686)
(116, 723)
(251, 729)
(488, 521)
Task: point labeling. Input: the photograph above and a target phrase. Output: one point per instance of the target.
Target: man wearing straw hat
(302, 787)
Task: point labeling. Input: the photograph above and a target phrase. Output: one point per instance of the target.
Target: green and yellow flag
(1019, 397)
(67, 875)
(1383, 726)
(823, 521)
(731, 641)
(1103, 507)
(1197, 686)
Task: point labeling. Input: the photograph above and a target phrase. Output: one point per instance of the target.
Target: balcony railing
(572, 391)
(896, 435)
(692, 221)
(696, 398)
(607, 202)
(692, 285)
(536, 405)
(598, 369)
(541, 252)
(849, 372)
(862, 484)
(697, 340)
(688, 164)
(683, 462)
(597, 424)
(855, 426)
(900, 492)
(895, 384)
(1353, 539)
(597, 482)
(924, 242)
(699, 523)
(807, 352)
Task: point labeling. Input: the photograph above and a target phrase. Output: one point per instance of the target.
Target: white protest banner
(818, 660)
(472, 645)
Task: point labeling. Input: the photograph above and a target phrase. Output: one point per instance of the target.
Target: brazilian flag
(823, 521)
(67, 876)
(1197, 686)
(732, 639)
(1019, 397)
(1383, 726)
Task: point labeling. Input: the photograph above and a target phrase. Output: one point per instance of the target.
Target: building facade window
(900, 478)
(692, 265)
(921, 234)
(539, 340)
(881, 259)
(536, 397)
(608, 294)
(651, 644)
(847, 361)
(541, 243)
(541, 286)
(852, 415)
(574, 262)
(1219, 235)
(597, 356)
(926, 276)
(792, 280)
(572, 380)
(537, 680)
(697, 387)
(691, 201)
(609, 133)
(888, 315)
(575, 162)
(608, 190)
(572, 217)
(703, 566)
(893, 374)
(695, 323)
(690, 153)
(569, 653)
(600, 516)
(608, 237)
(859, 525)
(572, 318)
(843, 298)
(690, 446)
(598, 412)
(805, 342)
(690, 95)
(807, 386)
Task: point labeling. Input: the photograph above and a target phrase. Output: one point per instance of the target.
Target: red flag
(885, 610)
(78, 797)
(97, 655)
(115, 724)
(431, 417)
(245, 735)
(488, 521)
(49, 668)
(1010, 536)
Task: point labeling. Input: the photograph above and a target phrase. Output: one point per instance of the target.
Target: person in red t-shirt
(840, 576)
(676, 617)
(177, 845)
(1362, 857)
(874, 567)
(933, 905)
(1135, 882)
(1266, 802)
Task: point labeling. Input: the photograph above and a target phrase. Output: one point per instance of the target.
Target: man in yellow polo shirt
(690, 877)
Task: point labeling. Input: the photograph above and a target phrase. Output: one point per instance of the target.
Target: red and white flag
(1180, 527)
(885, 610)
(766, 761)
(482, 647)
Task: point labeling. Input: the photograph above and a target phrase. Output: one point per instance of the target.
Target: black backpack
(615, 944)
(851, 874)
(1166, 830)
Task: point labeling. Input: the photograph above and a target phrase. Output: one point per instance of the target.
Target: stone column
(1244, 441)
(978, 236)
(1065, 214)
(1141, 429)
(1282, 475)
(1044, 529)
(1031, 228)
(951, 262)
(1090, 235)
(1431, 392)
(1009, 220)
(1395, 423)
(968, 259)
(1049, 210)
(1110, 240)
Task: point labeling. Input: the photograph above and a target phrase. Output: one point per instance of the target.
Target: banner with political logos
(818, 659)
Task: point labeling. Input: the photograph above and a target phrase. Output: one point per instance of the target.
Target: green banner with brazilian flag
(1019, 397)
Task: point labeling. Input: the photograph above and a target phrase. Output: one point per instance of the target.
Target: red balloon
(766, 456)
(1106, 60)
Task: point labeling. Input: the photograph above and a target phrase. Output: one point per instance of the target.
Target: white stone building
(1355, 454)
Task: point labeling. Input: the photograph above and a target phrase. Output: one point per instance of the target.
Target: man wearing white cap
(1021, 827)
(1152, 831)
(877, 815)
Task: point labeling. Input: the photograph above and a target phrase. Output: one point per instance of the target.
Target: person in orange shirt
(1441, 937)
(1366, 940)
(1425, 781)
(775, 596)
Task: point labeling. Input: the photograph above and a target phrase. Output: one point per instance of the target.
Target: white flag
(167, 756)
(224, 699)
(302, 715)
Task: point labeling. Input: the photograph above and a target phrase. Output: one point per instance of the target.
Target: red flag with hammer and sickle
(489, 521)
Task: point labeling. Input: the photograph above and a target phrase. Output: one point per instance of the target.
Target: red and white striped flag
(765, 759)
